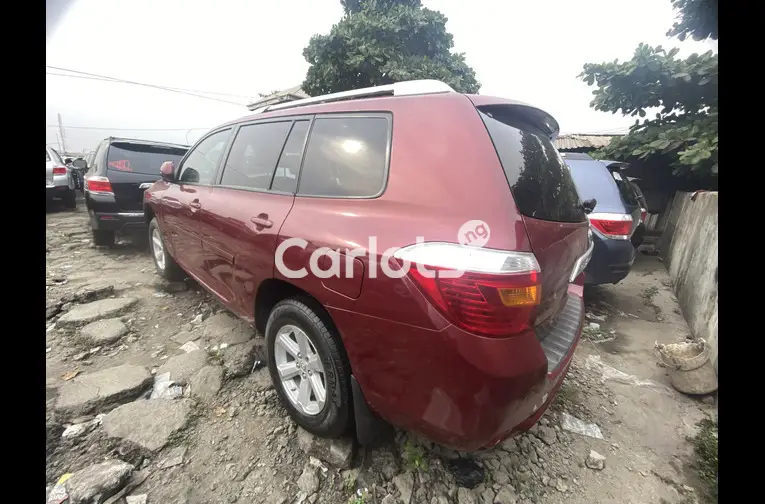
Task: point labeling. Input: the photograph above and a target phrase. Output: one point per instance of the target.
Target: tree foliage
(384, 41)
(697, 18)
(683, 133)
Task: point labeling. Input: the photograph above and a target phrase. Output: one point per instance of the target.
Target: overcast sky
(529, 51)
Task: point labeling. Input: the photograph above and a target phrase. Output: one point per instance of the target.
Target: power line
(106, 78)
(125, 129)
(110, 79)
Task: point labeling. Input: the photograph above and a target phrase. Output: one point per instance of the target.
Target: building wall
(689, 249)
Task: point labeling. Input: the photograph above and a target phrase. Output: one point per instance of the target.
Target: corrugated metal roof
(289, 94)
(574, 141)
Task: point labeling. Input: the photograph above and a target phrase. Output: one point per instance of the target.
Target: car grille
(558, 336)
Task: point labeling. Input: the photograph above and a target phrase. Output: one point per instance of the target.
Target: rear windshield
(540, 182)
(56, 157)
(593, 180)
(137, 158)
(627, 189)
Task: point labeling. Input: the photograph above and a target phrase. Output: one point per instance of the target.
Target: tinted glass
(345, 157)
(626, 189)
(200, 166)
(138, 158)
(593, 180)
(285, 178)
(254, 153)
(540, 182)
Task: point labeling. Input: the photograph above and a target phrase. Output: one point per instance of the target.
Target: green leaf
(641, 112)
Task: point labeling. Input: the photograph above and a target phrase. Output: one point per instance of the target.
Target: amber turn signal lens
(520, 296)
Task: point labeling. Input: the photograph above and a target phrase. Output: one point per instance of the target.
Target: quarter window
(199, 167)
(254, 154)
(346, 157)
(285, 178)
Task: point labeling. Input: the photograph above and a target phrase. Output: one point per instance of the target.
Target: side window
(345, 157)
(95, 158)
(199, 167)
(285, 178)
(254, 154)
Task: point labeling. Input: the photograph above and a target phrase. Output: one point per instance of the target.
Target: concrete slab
(225, 328)
(98, 482)
(148, 423)
(207, 382)
(90, 312)
(238, 359)
(94, 391)
(103, 332)
(183, 367)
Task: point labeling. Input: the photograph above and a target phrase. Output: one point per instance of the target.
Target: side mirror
(80, 164)
(589, 205)
(167, 170)
(67, 161)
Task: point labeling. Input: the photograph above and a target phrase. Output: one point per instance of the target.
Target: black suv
(122, 169)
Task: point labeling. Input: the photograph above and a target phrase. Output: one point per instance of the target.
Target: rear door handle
(262, 221)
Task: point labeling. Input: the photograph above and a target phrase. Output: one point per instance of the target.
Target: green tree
(683, 133)
(697, 18)
(384, 41)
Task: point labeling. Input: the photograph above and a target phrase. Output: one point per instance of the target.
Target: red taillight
(612, 225)
(59, 170)
(98, 184)
(496, 294)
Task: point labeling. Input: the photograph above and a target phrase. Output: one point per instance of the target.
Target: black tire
(171, 270)
(70, 199)
(103, 238)
(336, 416)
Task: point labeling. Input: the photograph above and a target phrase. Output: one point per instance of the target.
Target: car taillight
(483, 291)
(643, 215)
(59, 170)
(616, 226)
(98, 184)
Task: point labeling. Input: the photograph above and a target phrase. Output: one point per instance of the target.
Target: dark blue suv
(613, 220)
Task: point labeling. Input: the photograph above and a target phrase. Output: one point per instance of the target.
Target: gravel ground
(226, 439)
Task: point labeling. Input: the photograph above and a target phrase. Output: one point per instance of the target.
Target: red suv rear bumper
(463, 391)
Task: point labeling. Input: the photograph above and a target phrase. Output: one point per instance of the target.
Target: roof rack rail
(412, 87)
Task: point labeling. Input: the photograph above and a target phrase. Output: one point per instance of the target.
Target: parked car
(59, 182)
(122, 169)
(465, 361)
(613, 220)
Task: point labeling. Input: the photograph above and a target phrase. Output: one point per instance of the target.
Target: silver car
(59, 180)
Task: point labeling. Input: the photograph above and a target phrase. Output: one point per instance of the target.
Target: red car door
(244, 212)
(182, 202)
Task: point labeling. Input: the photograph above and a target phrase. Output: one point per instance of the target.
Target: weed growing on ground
(414, 457)
(705, 450)
(595, 334)
(648, 294)
(360, 497)
(567, 397)
(349, 484)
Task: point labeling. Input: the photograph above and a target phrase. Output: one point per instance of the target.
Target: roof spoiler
(615, 165)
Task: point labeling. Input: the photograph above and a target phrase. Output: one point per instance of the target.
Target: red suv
(410, 253)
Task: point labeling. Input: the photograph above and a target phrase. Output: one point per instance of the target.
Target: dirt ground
(231, 442)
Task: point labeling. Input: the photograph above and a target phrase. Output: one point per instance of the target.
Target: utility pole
(61, 134)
